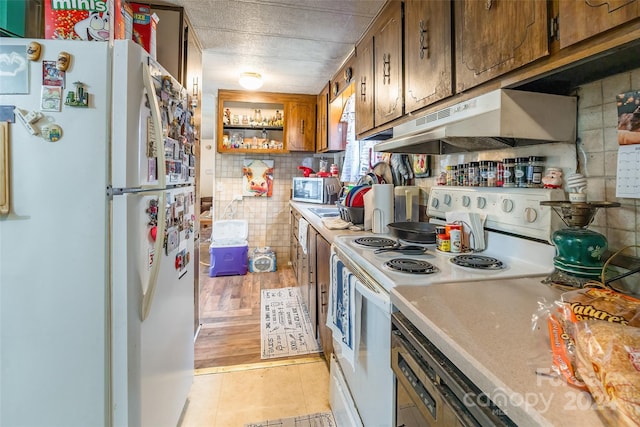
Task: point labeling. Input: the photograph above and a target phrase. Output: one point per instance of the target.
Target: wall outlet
(238, 197)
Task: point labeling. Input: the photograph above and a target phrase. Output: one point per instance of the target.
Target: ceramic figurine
(33, 51)
(553, 178)
(63, 62)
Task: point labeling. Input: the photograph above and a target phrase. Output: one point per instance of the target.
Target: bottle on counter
(443, 242)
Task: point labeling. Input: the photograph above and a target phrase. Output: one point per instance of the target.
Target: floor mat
(312, 420)
(285, 325)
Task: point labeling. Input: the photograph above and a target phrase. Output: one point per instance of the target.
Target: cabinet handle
(363, 88)
(424, 36)
(488, 4)
(386, 68)
(302, 127)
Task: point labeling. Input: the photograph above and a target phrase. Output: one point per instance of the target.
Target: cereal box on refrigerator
(77, 20)
(93, 20)
(144, 27)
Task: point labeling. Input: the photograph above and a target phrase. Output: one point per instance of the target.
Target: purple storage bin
(229, 249)
(228, 261)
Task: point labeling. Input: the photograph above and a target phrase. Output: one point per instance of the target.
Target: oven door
(367, 373)
(420, 400)
(435, 387)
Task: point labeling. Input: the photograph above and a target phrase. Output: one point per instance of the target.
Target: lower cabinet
(312, 272)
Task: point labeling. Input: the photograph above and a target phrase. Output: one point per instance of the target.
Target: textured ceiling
(297, 45)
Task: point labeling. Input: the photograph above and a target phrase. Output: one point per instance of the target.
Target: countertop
(316, 221)
(485, 329)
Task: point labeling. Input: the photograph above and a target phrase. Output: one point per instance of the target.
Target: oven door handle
(379, 297)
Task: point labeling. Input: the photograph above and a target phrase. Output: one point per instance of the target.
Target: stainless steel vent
(497, 119)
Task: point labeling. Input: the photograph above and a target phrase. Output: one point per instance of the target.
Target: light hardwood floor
(230, 317)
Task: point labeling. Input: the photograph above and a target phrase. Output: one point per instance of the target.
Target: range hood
(497, 119)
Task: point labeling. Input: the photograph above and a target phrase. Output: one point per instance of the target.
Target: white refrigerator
(96, 238)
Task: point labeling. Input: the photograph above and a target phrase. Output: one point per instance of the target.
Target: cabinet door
(293, 247)
(300, 123)
(581, 19)
(497, 36)
(322, 115)
(427, 53)
(323, 267)
(387, 45)
(364, 86)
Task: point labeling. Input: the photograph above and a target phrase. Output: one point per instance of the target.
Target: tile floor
(237, 395)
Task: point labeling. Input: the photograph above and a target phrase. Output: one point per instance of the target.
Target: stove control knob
(481, 202)
(507, 205)
(447, 199)
(530, 215)
(435, 202)
(466, 201)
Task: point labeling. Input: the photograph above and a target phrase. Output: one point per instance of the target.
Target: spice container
(455, 240)
(535, 170)
(473, 173)
(462, 174)
(449, 174)
(491, 174)
(483, 173)
(521, 171)
(442, 239)
(499, 174)
(508, 173)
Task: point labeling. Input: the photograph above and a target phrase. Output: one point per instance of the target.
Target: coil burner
(412, 266)
(479, 262)
(375, 242)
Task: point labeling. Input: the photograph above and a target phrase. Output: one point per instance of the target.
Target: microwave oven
(315, 190)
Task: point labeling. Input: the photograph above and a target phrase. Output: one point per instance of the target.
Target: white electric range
(517, 238)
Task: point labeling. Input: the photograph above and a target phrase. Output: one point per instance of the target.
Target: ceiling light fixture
(250, 81)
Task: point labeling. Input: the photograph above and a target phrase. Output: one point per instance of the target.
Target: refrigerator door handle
(148, 291)
(157, 126)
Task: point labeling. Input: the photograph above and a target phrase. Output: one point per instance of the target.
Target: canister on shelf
(473, 172)
(521, 171)
(535, 170)
(483, 172)
(491, 174)
(508, 173)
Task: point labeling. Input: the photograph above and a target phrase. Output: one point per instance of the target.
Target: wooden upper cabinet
(343, 77)
(364, 85)
(427, 53)
(493, 37)
(387, 43)
(322, 120)
(581, 19)
(300, 126)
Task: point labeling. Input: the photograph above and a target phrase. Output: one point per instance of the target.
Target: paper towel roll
(382, 213)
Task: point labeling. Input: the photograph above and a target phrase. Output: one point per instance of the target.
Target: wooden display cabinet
(261, 122)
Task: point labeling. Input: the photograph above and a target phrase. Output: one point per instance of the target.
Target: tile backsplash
(595, 155)
(268, 217)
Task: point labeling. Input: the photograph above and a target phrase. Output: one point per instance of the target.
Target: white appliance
(96, 317)
(362, 390)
